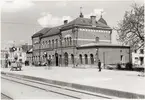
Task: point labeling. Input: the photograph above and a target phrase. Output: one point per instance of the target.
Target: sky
(20, 19)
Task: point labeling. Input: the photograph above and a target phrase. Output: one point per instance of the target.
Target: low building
(19, 52)
(82, 41)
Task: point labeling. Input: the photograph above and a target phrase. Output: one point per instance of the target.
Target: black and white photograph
(72, 49)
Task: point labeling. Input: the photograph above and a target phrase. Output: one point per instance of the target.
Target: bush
(129, 66)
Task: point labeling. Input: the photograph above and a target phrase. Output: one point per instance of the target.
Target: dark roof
(26, 47)
(52, 31)
(85, 22)
(41, 32)
(102, 21)
(80, 22)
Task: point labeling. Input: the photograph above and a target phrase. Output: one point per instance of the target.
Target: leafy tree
(131, 28)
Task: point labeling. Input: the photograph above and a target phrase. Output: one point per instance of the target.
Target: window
(86, 59)
(92, 58)
(49, 44)
(70, 41)
(97, 39)
(52, 43)
(56, 43)
(135, 51)
(81, 60)
(72, 58)
(141, 51)
(121, 57)
(65, 41)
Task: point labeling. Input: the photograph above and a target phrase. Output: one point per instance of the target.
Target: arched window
(92, 58)
(86, 59)
(72, 58)
(65, 41)
(56, 43)
(52, 43)
(49, 44)
(70, 41)
(81, 60)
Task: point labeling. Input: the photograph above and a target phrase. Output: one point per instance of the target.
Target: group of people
(49, 64)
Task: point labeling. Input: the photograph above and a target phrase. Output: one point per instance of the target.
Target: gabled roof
(41, 32)
(52, 31)
(25, 48)
(80, 22)
(85, 22)
(102, 21)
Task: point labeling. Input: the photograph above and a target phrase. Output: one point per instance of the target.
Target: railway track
(65, 91)
(5, 97)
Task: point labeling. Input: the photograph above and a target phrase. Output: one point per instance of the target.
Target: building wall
(86, 36)
(29, 57)
(138, 57)
(68, 55)
(107, 55)
(114, 55)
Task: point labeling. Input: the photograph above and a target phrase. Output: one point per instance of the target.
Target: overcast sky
(20, 19)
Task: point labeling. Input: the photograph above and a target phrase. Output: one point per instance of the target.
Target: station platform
(125, 84)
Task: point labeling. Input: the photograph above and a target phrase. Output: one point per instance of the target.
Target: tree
(131, 28)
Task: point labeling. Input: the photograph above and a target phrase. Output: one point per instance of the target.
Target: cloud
(15, 5)
(48, 20)
(96, 12)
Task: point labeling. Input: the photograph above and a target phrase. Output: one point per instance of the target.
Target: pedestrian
(99, 65)
(48, 63)
(9, 63)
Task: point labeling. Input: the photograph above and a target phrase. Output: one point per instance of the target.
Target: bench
(16, 66)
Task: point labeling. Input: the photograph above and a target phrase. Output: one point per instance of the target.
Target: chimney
(93, 20)
(65, 21)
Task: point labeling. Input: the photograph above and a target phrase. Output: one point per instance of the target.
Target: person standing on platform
(99, 65)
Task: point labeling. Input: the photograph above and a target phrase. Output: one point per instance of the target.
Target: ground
(128, 81)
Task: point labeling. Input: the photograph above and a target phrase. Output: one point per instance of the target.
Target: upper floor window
(52, 43)
(135, 51)
(56, 43)
(70, 41)
(141, 51)
(65, 41)
(97, 39)
(49, 44)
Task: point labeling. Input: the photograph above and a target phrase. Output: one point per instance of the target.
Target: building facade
(4, 57)
(29, 56)
(19, 52)
(82, 41)
(138, 57)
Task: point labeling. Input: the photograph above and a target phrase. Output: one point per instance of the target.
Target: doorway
(56, 59)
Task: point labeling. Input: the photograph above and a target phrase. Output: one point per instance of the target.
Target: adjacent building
(82, 41)
(138, 56)
(19, 52)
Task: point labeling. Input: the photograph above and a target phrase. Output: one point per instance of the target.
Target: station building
(82, 41)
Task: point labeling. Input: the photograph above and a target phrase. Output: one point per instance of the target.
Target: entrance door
(56, 59)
